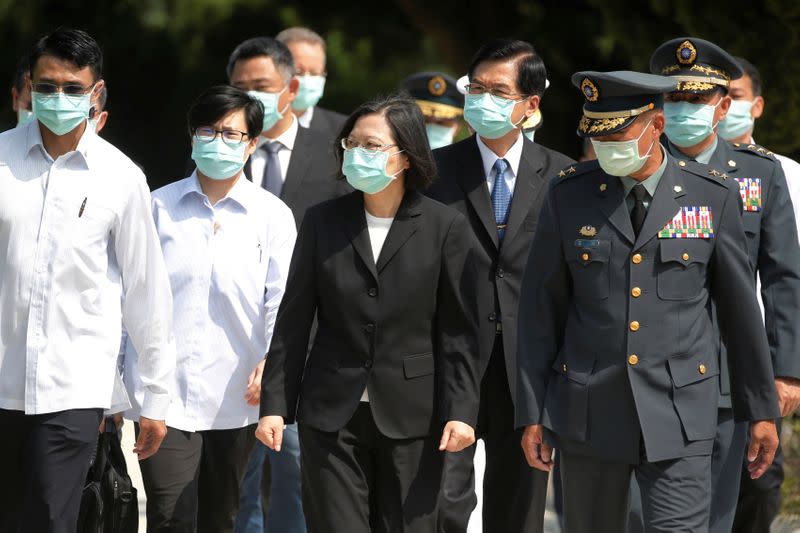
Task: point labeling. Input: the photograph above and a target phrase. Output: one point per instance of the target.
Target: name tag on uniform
(750, 189)
(692, 222)
(587, 243)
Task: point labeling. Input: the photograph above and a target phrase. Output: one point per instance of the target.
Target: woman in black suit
(390, 383)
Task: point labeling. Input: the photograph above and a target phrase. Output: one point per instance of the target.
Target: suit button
(372, 292)
(637, 258)
(634, 326)
(368, 364)
(685, 256)
(701, 368)
(564, 367)
(585, 256)
(636, 292)
(633, 360)
(492, 317)
(500, 273)
(369, 328)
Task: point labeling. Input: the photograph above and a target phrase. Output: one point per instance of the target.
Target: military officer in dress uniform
(703, 72)
(441, 103)
(617, 359)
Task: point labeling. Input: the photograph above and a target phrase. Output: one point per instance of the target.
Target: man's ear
(102, 118)
(724, 107)
(758, 107)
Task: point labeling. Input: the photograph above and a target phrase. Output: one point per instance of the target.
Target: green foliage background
(161, 53)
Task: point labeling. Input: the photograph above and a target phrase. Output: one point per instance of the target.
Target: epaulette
(577, 169)
(753, 149)
(704, 171)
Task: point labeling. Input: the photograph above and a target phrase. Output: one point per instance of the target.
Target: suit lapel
(404, 226)
(612, 204)
(664, 205)
(357, 232)
(527, 187)
(299, 162)
(472, 180)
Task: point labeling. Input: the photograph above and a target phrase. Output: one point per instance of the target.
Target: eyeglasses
(478, 89)
(72, 89)
(349, 144)
(230, 137)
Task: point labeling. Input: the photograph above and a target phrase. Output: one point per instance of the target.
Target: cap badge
(437, 86)
(589, 90)
(588, 231)
(686, 53)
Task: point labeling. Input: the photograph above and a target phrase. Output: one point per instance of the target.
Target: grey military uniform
(617, 347)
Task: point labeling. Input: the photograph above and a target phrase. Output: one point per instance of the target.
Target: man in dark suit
(618, 364)
(308, 50)
(497, 179)
(692, 111)
(297, 165)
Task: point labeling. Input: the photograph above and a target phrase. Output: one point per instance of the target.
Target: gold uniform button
(637, 258)
(634, 326)
(682, 163)
(633, 360)
(585, 256)
(685, 256)
(701, 369)
(636, 292)
(564, 367)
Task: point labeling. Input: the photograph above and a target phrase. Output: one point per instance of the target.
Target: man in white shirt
(75, 228)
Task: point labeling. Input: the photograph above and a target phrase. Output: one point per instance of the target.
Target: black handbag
(109, 503)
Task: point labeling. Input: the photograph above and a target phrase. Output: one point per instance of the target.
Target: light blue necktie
(501, 196)
(273, 178)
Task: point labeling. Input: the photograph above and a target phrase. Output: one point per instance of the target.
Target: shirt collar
(705, 156)
(306, 118)
(239, 193)
(513, 156)
(33, 139)
(651, 183)
(286, 138)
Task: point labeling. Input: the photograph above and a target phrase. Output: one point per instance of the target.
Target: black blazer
(406, 329)
(327, 122)
(311, 175)
(462, 185)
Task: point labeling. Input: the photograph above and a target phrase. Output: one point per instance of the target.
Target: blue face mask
(688, 124)
(61, 113)
(310, 92)
(24, 117)
(270, 103)
(489, 115)
(439, 135)
(365, 170)
(217, 160)
(738, 121)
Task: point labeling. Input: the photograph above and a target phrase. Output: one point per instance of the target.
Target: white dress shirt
(76, 233)
(227, 265)
(306, 118)
(378, 230)
(489, 158)
(258, 161)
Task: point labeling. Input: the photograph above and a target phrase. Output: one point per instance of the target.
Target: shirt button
(634, 326)
(369, 328)
(368, 364)
(372, 292)
(633, 360)
(636, 292)
(585, 256)
(637, 258)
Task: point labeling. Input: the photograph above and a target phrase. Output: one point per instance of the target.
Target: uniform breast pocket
(682, 267)
(589, 267)
(751, 223)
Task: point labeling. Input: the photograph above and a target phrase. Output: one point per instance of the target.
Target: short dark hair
(408, 128)
(218, 101)
(19, 73)
(75, 46)
(267, 47)
(531, 74)
(752, 72)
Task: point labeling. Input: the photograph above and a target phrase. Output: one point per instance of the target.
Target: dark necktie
(273, 177)
(501, 197)
(639, 211)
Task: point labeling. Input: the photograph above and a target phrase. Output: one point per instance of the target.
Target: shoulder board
(576, 170)
(705, 171)
(754, 149)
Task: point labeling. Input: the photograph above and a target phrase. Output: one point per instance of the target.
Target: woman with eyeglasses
(390, 384)
(227, 244)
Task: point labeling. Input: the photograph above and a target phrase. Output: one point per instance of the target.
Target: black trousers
(192, 482)
(514, 494)
(759, 499)
(356, 480)
(44, 460)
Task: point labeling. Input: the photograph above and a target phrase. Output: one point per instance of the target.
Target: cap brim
(595, 127)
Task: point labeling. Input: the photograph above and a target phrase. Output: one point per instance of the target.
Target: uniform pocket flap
(686, 370)
(587, 251)
(415, 366)
(579, 371)
(685, 251)
(751, 223)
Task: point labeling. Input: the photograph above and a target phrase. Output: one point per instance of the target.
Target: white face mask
(621, 158)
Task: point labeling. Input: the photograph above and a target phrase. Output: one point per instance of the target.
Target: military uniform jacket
(462, 184)
(617, 345)
(769, 224)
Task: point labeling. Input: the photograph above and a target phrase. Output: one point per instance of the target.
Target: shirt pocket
(682, 268)
(589, 266)
(91, 224)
